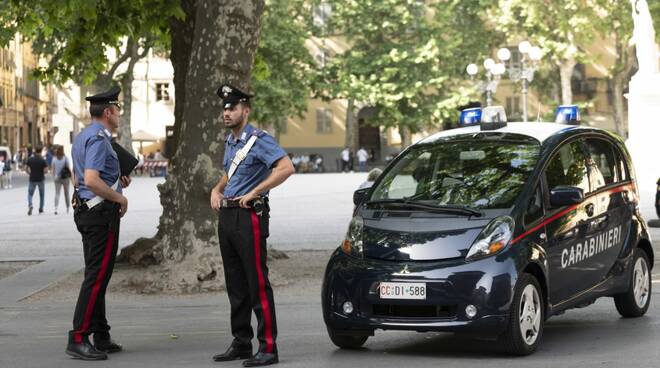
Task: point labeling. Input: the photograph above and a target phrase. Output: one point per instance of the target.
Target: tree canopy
(282, 77)
(74, 35)
(406, 58)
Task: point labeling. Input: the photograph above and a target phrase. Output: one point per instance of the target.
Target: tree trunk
(565, 73)
(622, 70)
(223, 49)
(619, 103)
(352, 129)
(406, 136)
(124, 136)
(182, 31)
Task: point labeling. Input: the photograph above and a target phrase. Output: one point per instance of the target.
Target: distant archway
(369, 135)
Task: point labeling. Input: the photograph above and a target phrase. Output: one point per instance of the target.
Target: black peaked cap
(110, 96)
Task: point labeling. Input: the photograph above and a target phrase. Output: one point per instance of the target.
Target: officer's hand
(123, 202)
(244, 201)
(125, 181)
(216, 197)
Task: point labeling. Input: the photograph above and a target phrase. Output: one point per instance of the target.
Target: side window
(622, 165)
(601, 163)
(534, 209)
(568, 167)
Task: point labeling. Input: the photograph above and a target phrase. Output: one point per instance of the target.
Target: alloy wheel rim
(641, 280)
(529, 319)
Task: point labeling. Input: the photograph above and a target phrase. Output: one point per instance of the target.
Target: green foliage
(558, 27)
(282, 75)
(73, 35)
(406, 58)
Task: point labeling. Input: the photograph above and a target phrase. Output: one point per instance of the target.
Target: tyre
(347, 341)
(635, 302)
(526, 316)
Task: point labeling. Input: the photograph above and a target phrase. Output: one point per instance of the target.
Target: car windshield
(475, 171)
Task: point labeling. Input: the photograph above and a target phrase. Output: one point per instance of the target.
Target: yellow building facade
(27, 105)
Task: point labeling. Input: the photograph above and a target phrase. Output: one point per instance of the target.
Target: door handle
(600, 220)
(589, 209)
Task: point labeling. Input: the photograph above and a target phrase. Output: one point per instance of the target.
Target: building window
(323, 121)
(321, 14)
(162, 91)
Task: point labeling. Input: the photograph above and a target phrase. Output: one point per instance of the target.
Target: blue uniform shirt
(256, 166)
(92, 149)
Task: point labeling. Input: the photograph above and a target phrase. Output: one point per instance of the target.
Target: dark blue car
(491, 229)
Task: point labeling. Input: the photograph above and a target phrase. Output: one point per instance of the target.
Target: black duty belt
(257, 204)
(229, 203)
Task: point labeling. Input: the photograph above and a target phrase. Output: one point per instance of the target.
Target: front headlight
(493, 238)
(352, 245)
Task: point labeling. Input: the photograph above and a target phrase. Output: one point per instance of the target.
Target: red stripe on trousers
(256, 229)
(97, 287)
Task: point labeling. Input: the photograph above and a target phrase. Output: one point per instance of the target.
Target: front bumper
(451, 286)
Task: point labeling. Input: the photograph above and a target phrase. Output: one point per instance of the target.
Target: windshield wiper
(404, 202)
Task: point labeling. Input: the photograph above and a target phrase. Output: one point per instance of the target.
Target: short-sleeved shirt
(256, 166)
(37, 165)
(92, 150)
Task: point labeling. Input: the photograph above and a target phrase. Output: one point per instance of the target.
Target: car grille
(414, 311)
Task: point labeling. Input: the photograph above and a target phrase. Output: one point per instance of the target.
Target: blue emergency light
(471, 116)
(567, 114)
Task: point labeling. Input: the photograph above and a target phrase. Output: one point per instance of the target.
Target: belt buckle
(223, 203)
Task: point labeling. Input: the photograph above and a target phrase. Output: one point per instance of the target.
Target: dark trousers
(99, 228)
(242, 235)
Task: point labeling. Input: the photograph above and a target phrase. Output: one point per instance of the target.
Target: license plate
(402, 290)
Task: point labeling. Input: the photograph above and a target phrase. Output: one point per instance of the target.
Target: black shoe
(233, 353)
(83, 350)
(29, 211)
(103, 342)
(41, 210)
(261, 359)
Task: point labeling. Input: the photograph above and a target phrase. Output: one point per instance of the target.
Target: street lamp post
(524, 73)
(494, 72)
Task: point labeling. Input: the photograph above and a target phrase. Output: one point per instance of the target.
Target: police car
(491, 229)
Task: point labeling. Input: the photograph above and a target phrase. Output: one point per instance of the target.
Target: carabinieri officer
(254, 164)
(99, 204)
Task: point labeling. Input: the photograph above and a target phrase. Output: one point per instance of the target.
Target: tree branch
(124, 56)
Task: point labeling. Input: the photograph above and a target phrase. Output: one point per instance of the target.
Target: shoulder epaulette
(259, 132)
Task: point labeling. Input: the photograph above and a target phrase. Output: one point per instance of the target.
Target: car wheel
(526, 317)
(635, 302)
(347, 341)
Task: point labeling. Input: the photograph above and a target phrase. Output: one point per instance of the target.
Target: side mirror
(359, 196)
(565, 195)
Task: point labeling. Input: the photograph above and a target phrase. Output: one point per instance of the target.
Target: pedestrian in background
(18, 159)
(36, 167)
(345, 159)
(371, 178)
(61, 177)
(362, 156)
(48, 154)
(9, 163)
(2, 172)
